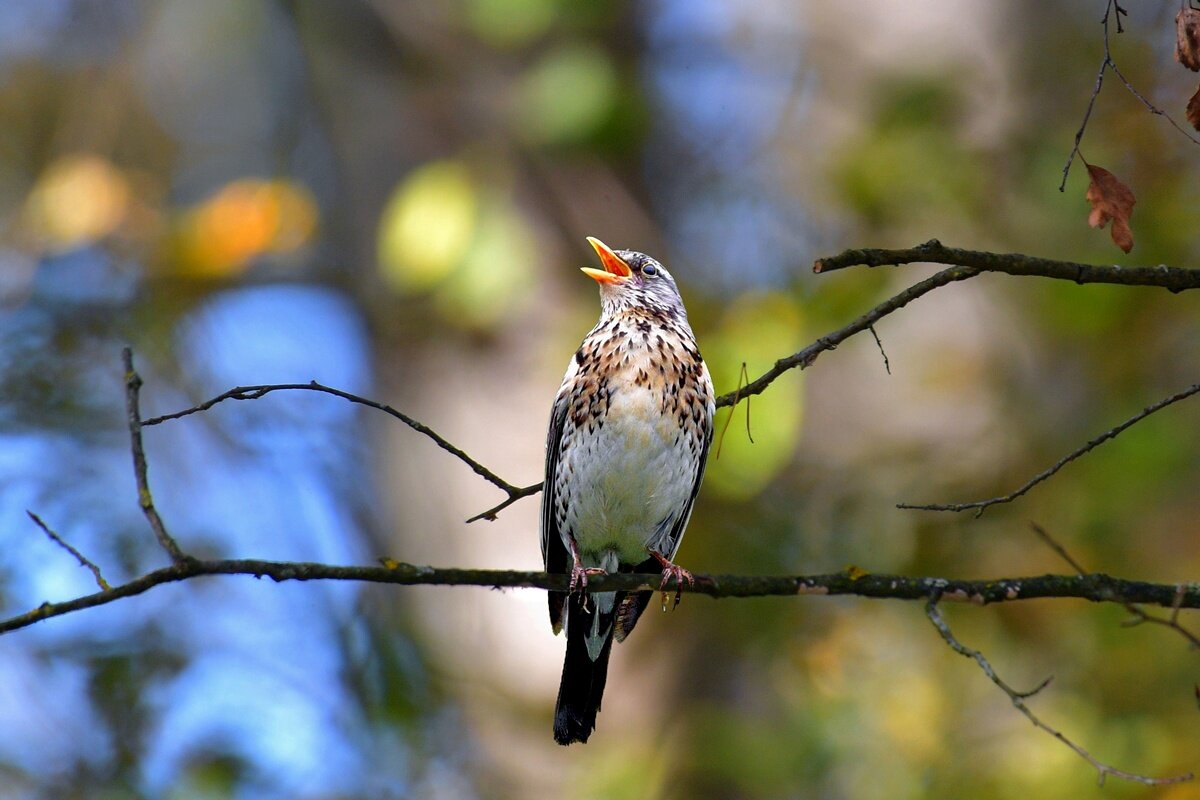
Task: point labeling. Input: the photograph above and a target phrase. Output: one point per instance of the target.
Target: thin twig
(1066, 170)
(514, 493)
(133, 384)
(803, 359)
(257, 391)
(1140, 615)
(65, 545)
(1112, 433)
(1054, 545)
(1018, 700)
(887, 367)
(1113, 9)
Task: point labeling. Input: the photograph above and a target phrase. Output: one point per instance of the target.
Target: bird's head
(633, 280)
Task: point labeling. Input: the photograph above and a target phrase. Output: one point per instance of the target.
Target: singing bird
(629, 435)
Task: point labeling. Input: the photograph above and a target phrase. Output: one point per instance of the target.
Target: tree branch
(1138, 615)
(83, 560)
(963, 264)
(1111, 433)
(805, 358)
(1113, 10)
(1095, 587)
(514, 493)
(1018, 700)
(1174, 279)
(133, 385)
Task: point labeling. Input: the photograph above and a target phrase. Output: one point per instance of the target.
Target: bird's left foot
(669, 571)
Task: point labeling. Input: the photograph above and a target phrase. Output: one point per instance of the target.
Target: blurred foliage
(391, 197)
(753, 333)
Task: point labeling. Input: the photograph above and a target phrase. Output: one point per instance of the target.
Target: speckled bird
(629, 436)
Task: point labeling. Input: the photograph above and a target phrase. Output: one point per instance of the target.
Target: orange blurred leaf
(1111, 200)
(1187, 38)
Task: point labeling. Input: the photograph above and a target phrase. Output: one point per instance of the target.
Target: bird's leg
(579, 573)
(670, 571)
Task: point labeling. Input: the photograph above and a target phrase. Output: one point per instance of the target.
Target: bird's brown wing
(555, 555)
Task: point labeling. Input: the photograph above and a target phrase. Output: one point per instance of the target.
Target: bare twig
(886, 366)
(1139, 614)
(65, 545)
(514, 493)
(133, 384)
(1087, 114)
(1054, 545)
(1111, 433)
(1097, 587)
(803, 359)
(1018, 700)
(1113, 10)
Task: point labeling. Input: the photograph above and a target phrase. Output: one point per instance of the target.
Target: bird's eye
(650, 269)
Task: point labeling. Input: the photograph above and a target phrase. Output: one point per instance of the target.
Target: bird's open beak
(615, 270)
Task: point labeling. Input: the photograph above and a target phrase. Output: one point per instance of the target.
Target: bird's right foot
(579, 573)
(579, 576)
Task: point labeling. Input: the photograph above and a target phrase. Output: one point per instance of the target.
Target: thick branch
(1175, 279)
(1096, 587)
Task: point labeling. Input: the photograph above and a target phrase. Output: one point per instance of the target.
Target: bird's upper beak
(615, 270)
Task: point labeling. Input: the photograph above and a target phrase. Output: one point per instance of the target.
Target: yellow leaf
(428, 225)
(79, 198)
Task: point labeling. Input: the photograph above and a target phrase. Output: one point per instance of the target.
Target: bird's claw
(670, 571)
(579, 576)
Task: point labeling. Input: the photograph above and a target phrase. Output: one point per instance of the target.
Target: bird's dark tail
(582, 685)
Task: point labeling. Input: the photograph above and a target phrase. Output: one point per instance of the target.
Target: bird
(630, 430)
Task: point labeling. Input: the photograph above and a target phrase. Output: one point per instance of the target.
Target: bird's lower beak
(615, 270)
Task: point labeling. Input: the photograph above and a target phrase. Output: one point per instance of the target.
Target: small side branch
(1174, 279)
(1111, 433)
(1018, 700)
(514, 493)
(805, 358)
(1113, 12)
(133, 385)
(1095, 587)
(1138, 614)
(65, 545)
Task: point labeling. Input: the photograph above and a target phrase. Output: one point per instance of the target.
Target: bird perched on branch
(629, 436)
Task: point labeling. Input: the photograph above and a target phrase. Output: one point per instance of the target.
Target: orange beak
(615, 270)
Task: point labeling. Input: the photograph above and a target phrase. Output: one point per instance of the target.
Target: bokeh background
(392, 198)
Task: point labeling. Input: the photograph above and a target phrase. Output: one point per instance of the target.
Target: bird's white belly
(628, 476)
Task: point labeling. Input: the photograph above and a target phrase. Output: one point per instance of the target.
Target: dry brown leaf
(1111, 200)
(1187, 38)
(1193, 110)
